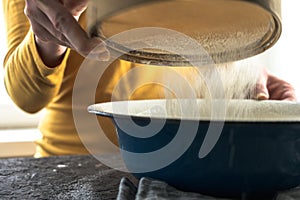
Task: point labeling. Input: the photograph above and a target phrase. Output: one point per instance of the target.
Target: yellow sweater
(34, 86)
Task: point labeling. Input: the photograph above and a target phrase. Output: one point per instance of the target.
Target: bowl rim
(106, 109)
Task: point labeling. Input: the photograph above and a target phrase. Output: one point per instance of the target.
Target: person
(47, 43)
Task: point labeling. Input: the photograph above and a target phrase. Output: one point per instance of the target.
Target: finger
(98, 52)
(64, 22)
(41, 25)
(76, 7)
(282, 92)
(275, 91)
(280, 89)
(261, 92)
(60, 18)
(289, 95)
(44, 35)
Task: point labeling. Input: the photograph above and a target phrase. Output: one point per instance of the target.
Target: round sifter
(228, 30)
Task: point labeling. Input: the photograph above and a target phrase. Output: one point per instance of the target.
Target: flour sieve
(228, 30)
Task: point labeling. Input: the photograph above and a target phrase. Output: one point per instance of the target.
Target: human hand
(54, 24)
(270, 87)
(75, 7)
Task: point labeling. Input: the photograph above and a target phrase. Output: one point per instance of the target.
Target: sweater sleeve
(29, 82)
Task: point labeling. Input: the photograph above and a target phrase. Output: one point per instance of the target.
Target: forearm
(50, 53)
(29, 82)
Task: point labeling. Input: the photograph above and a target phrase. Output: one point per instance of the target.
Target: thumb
(98, 50)
(262, 92)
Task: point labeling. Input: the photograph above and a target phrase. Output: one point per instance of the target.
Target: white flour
(223, 82)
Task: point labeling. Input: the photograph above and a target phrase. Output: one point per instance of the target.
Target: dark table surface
(69, 177)
(59, 177)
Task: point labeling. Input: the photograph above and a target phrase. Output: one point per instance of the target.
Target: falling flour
(221, 83)
(226, 30)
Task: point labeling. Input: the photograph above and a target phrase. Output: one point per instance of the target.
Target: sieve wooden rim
(109, 8)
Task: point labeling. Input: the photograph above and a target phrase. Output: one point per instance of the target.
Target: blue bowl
(257, 154)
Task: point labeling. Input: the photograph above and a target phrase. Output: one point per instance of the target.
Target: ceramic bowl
(221, 148)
